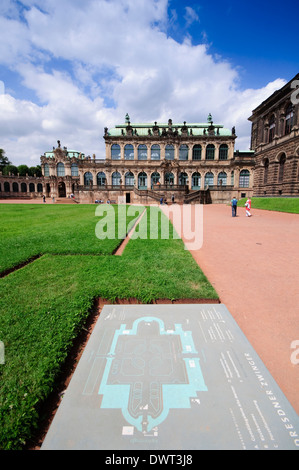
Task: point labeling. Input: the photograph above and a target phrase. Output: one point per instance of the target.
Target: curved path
(253, 263)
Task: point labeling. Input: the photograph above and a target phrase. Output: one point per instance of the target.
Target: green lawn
(30, 230)
(280, 204)
(44, 305)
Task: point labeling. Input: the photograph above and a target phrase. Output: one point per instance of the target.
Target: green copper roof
(142, 129)
(70, 153)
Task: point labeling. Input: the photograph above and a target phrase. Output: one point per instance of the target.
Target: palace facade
(275, 141)
(144, 162)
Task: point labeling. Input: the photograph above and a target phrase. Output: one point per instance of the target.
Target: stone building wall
(275, 140)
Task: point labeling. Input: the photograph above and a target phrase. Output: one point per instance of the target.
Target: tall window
(209, 179)
(142, 152)
(169, 152)
(271, 128)
(23, 187)
(155, 152)
(60, 169)
(129, 152)
(101, 179)
(210, 152)
(222, 179)
(87, 178)
(244, 179)
(183, 179)
(129, 179)
(46, 170)
(6, 187)
(116, 178)
(155, 178)
(169, 178)
(266, 171)
(142, 180)
(75, 169)
(183, 152)
(223, 152)
(31, 188)
(232, 178)
(196, 152)
(281, 167)
(196, 181)
(289, 121)
(115, 152)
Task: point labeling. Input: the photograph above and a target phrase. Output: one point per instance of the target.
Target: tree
(35, 170)
(10, 169)
(3, 160)
(23, 170)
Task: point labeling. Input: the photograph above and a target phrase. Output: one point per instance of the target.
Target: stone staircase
(66, 200)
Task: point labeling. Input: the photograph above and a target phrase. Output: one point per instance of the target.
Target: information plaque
(165, 377)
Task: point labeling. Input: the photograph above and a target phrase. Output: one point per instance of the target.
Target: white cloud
(191, 16)
(91, 62)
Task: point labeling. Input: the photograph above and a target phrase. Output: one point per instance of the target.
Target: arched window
(31, 188)
(223, 152)
(46, 169)
(39, 188)
(116, 178)
(271, 128)
(142, 152)
(222, 179)
(129, 152)
(183, 179)
(282, 161)
(6, 187)
(244, 179)
(169, 178)
(74, 169)
(266, 170)
(101, 179)
(60, 169)
(88, 178)
(210, 152)
(209, 179)
(155, 152)
(169, 152)
(142, 180)
(289, 120)
(129, 179)
(183, 152)
(196, 180)
(196, 152)
(115, 152)
(23, 188)
(232, 178)
(155, 178)
(15, 187)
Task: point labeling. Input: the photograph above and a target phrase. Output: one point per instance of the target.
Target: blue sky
(71, 68)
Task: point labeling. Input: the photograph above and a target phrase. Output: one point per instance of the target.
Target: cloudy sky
(69, 68)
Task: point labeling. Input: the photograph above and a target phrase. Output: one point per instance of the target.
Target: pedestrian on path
(234, 203)
(248, 207)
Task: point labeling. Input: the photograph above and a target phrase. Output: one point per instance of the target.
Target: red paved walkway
(253, 263)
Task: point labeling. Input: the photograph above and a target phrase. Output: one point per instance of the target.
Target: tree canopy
(3, 160)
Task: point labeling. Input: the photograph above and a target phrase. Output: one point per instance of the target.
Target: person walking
(248, 207)
(234, 203)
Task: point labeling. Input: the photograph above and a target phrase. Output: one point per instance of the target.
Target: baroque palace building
(190, 162)
(144, 162)
(275, 141)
